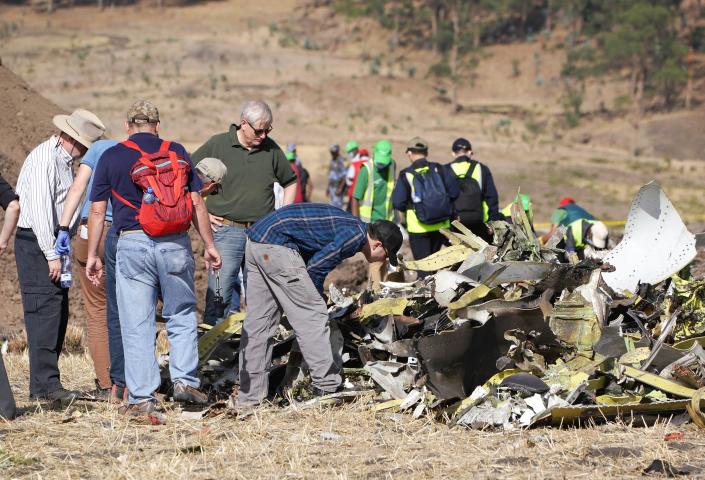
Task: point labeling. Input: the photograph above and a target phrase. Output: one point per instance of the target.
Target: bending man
(288, 255)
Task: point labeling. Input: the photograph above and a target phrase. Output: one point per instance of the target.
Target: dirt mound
(26, 122)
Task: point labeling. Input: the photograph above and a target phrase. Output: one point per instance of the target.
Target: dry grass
(277, 443)
(73, 341)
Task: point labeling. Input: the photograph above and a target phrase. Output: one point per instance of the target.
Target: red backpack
(167, 174)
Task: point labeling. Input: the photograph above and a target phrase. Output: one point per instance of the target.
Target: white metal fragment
(535, 402)
(446, 286)
(411, 399)
(656, 243)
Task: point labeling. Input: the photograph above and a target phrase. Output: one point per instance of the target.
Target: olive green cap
(417, 144)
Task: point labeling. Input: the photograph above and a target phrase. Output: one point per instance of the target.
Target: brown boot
(138, 409)
(188, 394)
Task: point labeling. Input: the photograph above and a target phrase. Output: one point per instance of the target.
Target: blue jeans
(230, 242)
(117, 357)
(146, 265)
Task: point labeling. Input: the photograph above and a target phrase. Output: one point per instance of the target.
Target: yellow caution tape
(618, 223)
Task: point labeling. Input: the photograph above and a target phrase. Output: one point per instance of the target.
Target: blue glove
(63, 243)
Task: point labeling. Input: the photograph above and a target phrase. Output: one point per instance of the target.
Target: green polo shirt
(247, 194)
(379, 194)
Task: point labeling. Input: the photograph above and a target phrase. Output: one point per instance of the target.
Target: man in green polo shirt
(254, 162)
(372, 199)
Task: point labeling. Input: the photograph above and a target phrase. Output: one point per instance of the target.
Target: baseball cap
(461, 144)
(389, 234)
(351, 145)
(335, 148)
(565, 201)
(417, 144)
(143, 111)
(383, 153)
(291, 147)
(291, 156)
(213, 169)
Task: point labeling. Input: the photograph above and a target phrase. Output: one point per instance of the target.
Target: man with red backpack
(155, 196)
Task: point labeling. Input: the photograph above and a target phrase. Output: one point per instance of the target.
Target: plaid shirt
(322, 234)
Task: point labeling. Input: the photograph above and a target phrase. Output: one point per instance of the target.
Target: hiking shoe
(308, 391)
(188, 394)
(242, 410)
(61, 396)
(98, 393)
(140, 409)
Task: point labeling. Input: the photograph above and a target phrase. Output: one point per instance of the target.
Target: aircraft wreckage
(507, 336)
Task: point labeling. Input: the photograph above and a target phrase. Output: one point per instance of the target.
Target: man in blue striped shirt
(288, 255)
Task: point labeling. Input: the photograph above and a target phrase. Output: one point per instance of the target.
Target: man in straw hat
(43, 183)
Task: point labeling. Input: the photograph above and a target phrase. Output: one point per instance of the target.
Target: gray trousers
(277, 281)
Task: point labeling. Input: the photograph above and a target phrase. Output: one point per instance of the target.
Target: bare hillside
(329, 79)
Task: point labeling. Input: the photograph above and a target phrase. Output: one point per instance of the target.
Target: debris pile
(507, 336)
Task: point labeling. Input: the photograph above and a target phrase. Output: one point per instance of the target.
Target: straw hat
(81, 125)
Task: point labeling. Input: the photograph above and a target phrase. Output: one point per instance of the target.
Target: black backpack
(468, 205)
(429, 197)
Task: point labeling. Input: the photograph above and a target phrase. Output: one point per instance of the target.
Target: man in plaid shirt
(288, 255)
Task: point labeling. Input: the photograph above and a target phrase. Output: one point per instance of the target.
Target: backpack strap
(124, 200)
(473, 165)
(133, 146)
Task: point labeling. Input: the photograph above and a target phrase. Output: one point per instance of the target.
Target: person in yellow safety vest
(424, 238)
(372, 198)
(478, 201)
(567, 212)
(584, 232)
(525, 204)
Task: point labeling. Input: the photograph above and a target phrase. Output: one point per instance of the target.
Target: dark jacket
(401, 196)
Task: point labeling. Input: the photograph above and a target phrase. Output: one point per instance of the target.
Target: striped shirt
(44, 181)
(322, 234)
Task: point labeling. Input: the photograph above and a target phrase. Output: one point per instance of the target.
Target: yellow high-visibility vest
(413, 224)
(577, 228)
(368, 198)
(461, 171)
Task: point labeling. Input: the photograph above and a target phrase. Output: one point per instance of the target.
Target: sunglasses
(260, 131)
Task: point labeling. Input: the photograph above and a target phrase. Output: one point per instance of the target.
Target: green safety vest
(461, 171)
(577, 228)
(413, 224)
(368, 198)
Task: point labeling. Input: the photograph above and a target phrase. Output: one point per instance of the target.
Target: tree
(644, 44)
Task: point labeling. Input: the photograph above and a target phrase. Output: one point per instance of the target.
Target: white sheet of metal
(656, 242)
